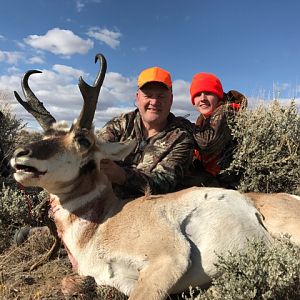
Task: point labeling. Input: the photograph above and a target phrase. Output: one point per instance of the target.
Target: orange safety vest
(209, 162)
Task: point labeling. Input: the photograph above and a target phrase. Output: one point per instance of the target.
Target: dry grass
(18, 282)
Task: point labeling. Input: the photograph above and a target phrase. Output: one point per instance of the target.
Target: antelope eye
(84, 142)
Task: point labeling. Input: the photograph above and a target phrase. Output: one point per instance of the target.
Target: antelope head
(63, 156)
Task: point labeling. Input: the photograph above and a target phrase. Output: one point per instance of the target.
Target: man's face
(206, 103)
(154, 102)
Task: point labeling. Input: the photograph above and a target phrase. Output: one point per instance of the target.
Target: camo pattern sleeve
(118, 129)
(213, 134)
(158, 163)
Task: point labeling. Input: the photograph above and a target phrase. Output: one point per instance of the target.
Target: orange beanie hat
(206, 82)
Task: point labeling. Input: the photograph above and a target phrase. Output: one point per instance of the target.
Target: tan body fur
(281, 213)
(156, 235)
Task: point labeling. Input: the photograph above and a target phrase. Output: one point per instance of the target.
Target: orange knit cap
(155, 74)
(205, 82)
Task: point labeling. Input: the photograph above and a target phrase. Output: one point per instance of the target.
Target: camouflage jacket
(158, 163)
(213, 135)
(214, 141)
(214, 146)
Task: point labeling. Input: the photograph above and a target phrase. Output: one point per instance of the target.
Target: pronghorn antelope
(148, 247)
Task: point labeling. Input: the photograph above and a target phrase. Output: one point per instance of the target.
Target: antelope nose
(22, 152)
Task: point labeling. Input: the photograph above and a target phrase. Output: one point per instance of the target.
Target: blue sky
(252, 46)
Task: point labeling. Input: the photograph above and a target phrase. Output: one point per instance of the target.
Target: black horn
(90, 95)
(33, 105)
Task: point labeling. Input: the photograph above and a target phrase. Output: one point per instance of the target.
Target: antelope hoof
(76, 285)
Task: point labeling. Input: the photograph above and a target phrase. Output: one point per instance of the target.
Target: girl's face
(206, 103)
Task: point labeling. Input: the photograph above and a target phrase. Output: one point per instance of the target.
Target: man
(164, 148)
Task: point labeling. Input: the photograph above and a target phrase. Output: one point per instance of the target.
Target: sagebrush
(10, 128)
(260, 272)
(268, 152)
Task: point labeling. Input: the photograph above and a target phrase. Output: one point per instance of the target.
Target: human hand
(114, 172)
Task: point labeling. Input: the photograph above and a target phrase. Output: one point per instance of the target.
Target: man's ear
(171, 98)
(136, 98)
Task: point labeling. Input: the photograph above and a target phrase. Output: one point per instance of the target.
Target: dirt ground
(16, 279)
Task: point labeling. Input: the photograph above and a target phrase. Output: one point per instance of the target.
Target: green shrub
(18, 208)
(268, 152)
(261, 272)
(10, 128)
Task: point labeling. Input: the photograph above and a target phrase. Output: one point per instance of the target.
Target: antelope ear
(116, 151)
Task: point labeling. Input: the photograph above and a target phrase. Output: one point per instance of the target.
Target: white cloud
(103, 115)
(109, 37)
(80, 4)
(20, 45)
(285, 89)
(10, 57)
(182, 105)
(2, 37)
(36, 60)
(140, 49)
(13, 70)
(120, 87)
(68, 71)
(60, 41)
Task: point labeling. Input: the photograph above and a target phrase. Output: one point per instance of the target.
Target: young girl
(214, 141)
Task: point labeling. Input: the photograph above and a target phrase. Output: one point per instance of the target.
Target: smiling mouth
(205, 104)
(153, 109)
(29, 170)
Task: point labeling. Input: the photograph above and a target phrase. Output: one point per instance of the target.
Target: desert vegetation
(268, 156)
(268, 159)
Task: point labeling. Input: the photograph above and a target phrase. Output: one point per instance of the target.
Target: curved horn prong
(90, 95)
(33, 105)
